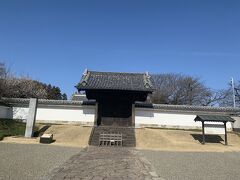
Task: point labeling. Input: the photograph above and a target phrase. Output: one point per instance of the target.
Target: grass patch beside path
(11, 128)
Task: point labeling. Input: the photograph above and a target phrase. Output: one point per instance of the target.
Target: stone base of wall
(112, 121)
(90, 124)
(171, 127)
(65, 122)
(236, 129)
(165, 126)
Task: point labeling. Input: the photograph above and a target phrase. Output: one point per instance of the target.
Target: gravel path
(195, 165)
(36, 161)
(31, 161)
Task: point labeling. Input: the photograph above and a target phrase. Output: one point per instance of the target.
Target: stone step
(127, 133)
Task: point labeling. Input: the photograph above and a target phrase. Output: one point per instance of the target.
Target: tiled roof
(79, 97)
(214, 118)
(188, 108)
(162, 107)
(3, 104)
(23, 101)
(115, 81)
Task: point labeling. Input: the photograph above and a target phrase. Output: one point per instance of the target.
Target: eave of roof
(25, 101)
(214, 118)
(93, 80)
(161, 107)
(188, 108)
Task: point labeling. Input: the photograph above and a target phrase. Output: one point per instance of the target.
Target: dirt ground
(146, 138)
(184, 140)
(63, 135)
(71, 135)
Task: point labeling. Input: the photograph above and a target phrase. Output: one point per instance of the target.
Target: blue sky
(54, 41)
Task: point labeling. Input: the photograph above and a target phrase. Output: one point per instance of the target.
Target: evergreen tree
(64, 96)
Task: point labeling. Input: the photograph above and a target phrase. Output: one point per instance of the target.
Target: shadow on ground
(41, 131)
(208, 138)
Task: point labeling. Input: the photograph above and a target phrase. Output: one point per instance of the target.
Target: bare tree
(227, 100)
(181, 89)
(4, 73)
(24, 88)
(19, 87)
(237, 89)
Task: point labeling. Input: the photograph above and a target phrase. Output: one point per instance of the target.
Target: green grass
(11, 128)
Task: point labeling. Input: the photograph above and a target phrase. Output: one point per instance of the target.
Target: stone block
(46, 138)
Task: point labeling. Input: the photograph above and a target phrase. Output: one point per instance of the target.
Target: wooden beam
(226, 142)
(203, 133)
(133, 115)
(96, 114)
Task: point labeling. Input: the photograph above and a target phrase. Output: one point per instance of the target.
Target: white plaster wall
(214, 128)
(143, 117)
(153, 117)
(6, 112)
(20, 113)
(57, 114)
(81, 114)
(237, 122)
